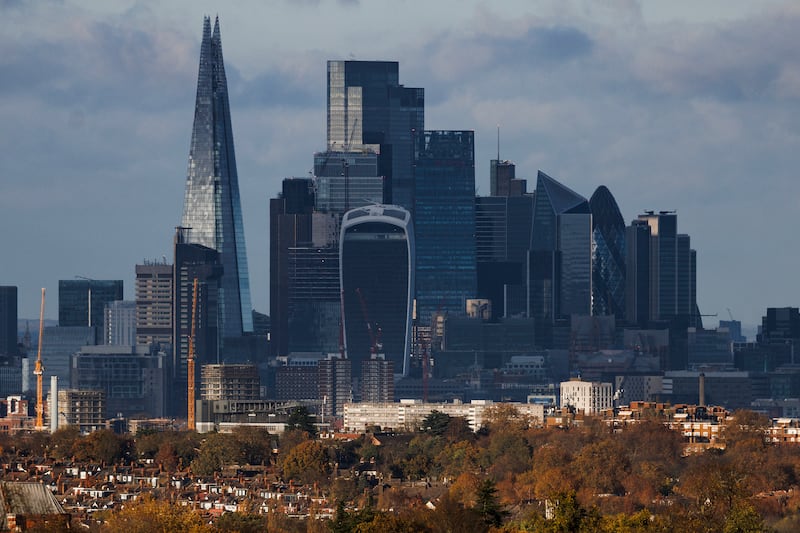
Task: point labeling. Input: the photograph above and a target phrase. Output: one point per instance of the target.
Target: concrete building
(154, 294)
(335, 385)
(229, 382)
(377, 380)
(84, 409)
(133, 378)
(409, 414)
(588, 397)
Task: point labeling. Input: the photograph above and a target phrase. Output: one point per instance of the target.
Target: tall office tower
(154, 303)
(212, 208)
(503, 228)
(290, 226)
(780, 325)
(346, 180)
(314, 307)
(119, 323)
(376, 263)
(503, 180)
(672, 269)
(194, 261)
(377, 380)
(8, 320)
(369, 109)
(82, 302)
(608, 255)
(637, 273)
(560, 265)
(444, 222)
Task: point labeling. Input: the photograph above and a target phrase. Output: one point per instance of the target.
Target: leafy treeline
(510, 476)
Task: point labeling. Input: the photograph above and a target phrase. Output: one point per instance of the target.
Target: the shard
(212, 208)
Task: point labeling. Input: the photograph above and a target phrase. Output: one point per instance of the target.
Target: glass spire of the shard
(212, 208)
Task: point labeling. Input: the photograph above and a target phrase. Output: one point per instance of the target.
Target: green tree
(436, 423)
(300, 418)
(216, 451)
(486, 504)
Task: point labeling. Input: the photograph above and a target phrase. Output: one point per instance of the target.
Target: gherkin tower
(212, 208)
(608, 255)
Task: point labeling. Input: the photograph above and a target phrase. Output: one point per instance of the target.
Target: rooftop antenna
(498, 143)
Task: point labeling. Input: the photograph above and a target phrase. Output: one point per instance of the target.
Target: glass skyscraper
(560, 265)
(212, 208)
(444, 222)
(82, 302)
(608, 255)
(8, 320)
(377, 280)
(368, 109)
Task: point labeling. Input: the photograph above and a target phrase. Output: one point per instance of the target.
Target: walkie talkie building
(376, 262)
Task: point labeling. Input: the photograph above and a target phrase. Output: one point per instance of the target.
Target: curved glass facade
(377, 280)
(608, 255)
(212, 207)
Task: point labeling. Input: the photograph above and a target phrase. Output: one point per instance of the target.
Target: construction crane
(373, 339)
(190, 361)
(38, 371)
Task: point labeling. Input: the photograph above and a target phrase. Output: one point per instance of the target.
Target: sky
(671, 105)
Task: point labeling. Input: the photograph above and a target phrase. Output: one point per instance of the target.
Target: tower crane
(38, 371)
(190, 362)
(373, 339)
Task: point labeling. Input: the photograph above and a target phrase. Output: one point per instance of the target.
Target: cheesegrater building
(212, 209)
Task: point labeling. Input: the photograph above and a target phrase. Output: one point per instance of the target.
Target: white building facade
(589, 397)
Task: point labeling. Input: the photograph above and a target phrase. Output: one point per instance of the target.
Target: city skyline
(662, 122)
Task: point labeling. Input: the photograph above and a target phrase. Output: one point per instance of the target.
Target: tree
(240, 523)
(743, 518)
(300, 418)
(147, 515)
(436, 423)
(254, 445)
(102, 446)
(62, 440)
(307, 462)
(216, 451)
(486, 504)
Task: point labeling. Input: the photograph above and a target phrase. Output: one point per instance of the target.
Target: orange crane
(38, 371)
(190, 361)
